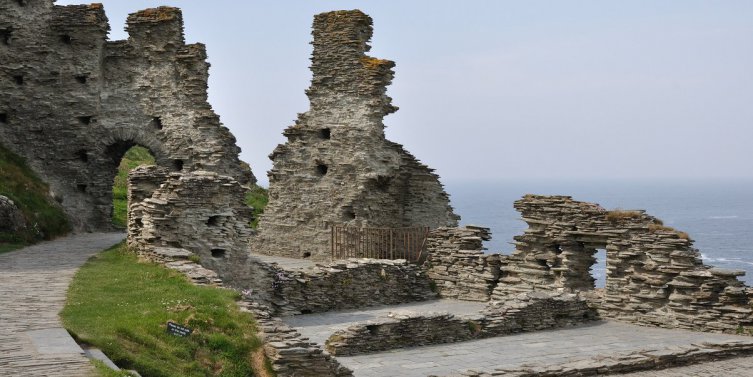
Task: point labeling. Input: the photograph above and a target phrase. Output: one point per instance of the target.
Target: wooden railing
(379, 243)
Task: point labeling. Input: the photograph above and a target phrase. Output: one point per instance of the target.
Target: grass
(45, 218)
(618, 215)
(122, 306)
(257, 198)
(657, 227)
(133, 157)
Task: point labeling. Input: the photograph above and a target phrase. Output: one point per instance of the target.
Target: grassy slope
(122, 306)
(134, 157)
(46, 219)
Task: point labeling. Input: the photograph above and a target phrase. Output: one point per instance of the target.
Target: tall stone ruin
(73, 102)
(337, 167)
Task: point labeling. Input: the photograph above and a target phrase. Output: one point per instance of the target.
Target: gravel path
(33, 285)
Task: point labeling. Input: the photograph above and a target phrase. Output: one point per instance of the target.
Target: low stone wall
(535, 311)
(289, 352)
(457, 264)
(348, 284)
(523, 313)
(402, 330)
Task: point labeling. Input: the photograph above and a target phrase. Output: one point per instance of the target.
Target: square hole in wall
(322, 169)
(21, 2)
(325, 133)
(3, 118)
(218, 253)
(157, 123)
(5, 35)
(81, 187)
(82, 155)
(81, 78)
(19, 79)
(66, 39)
(87, 119)
(178, 165)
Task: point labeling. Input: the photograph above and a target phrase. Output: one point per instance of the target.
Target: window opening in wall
(21, 2)
(178, 164)
(5, 36)
(307, 254)
(322, 169)
(19, 79)
(157, 123)
(81, 79)
(218, 253)
(65, 38)
(349, 213)
(82, 155)
(85, 119)
(214, 220)
(599, 268)
(3, 118)
(81, 187)
(325, 133)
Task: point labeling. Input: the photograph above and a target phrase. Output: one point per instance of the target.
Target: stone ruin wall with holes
(337, 167)
(73, 102)
(654, 275)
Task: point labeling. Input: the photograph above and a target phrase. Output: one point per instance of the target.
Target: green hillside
(45, 218)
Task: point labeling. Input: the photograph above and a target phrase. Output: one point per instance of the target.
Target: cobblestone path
(33, 285)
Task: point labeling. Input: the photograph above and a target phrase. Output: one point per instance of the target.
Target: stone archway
(148, 90)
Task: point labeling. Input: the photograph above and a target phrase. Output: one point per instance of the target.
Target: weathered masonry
(654, 275)
(337, 167)
(72, 102)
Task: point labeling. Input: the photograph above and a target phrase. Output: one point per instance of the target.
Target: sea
(716, 213)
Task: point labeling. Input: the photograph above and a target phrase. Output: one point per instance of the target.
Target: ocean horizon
(716, 213)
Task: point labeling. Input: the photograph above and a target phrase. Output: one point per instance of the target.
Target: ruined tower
(337, 167)
(73, 102)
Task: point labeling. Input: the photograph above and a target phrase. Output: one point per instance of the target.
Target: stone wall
(348, 284)
(72, 102)
(525, 312)
(337, 167)
(654, 275)
(201, 212)
(458, 265)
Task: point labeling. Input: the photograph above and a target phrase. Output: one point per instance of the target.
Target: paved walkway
(33, 285)
(318, 327)
(544, 347)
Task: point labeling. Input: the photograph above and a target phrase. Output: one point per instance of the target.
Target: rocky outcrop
(654, 275)
(337, 167)
(458, 265)
(73, 102)
(11, 217)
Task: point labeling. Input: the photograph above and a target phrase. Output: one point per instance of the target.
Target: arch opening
(128, 156)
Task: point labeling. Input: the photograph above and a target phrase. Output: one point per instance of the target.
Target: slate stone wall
(73, 102)
(336, 166)
(458, 265)
(654, 274)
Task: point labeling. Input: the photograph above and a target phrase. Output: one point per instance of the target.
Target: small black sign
(176, 329)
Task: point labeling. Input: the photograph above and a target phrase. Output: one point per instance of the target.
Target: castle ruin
(75, 102)
(337, 167)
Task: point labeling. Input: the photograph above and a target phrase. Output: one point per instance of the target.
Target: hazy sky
(505, 89)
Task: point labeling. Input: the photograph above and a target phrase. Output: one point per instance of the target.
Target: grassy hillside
(134, 157)
(45, 218)
(122, 306)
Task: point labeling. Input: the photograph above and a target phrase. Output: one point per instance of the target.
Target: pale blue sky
(505, 89)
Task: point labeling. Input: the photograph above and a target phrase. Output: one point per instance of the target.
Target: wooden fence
(380, 243)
